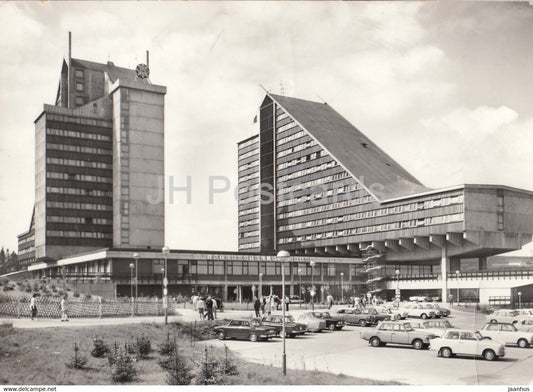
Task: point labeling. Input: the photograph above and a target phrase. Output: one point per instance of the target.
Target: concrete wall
(40, 187)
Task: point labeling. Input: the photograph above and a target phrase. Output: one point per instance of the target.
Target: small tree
(99, 350)
(144, 346)
(178, 371)
(122, 367)
(77, 361)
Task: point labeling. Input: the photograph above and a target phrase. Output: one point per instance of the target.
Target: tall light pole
(283, 256)
(136, 257)
(260, 292)
(397, 272)
(165, 251)
(132, 266)
(520, 300)
(342, 287)
(457, 274)
(300, 286)
(313, 292)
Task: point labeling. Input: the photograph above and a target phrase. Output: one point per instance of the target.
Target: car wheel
(331, 327)
(522, 343)
(253, 337)
(375, 342)
(286, 334)
(446, 352)
(493, 321)
(489, 355)
(362, 323)
(424, 316)
(418, 344)
(221, 335)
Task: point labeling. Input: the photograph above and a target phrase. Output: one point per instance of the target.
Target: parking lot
(345, 352)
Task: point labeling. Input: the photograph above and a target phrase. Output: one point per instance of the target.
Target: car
(332, 323)
(467, 343)
(525, 312)
(445, 312)
(524, 324)
(397, 332)
(508, 334)
(431, 306)
(394, 314)
(313, 323)
(378, 317)
(294, 299)
(292, 328)
(504, 316)
(436, 327)
(415, 310)
(251, 330)
(353, 316)
(420, 298)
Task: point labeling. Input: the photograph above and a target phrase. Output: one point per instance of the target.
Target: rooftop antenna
(263, 87)
(148, 59)
(69, 70)
(281, 89)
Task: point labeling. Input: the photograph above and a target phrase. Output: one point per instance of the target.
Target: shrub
(210, 373)
(99, 350)
(76, 294)
(177, 368)
(77, 361)
(144, 346)
(167, 348)
(122, 367)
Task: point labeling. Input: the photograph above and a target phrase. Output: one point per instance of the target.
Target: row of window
(88, 150)
(297, 148)
(288, 139)
(249, 176)
(316, 196)
(250, 153)
(249, 142)
(281, 116)
(249, 211)
(282, 189)
(79, 177)
(250, 188)
(22, 252)
(79, 219)
(247, 166)
(78, 234)
(79, 206)
(307, 171)
(78, 120)
(375, 228)
(78, 191)
(302, 159)
(78, 163)
(77, 134)
(325, 207)
(249, 222)
(26, 240)
(289, 125)
(249, 234)
(249, 246)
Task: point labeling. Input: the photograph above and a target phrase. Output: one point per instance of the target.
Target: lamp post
(520, 300)
(397, 272)
(165, 251)
(260, 293)
(457, 274)
(312, 264)
(300, 285)
(342, 287)
(132, 266)
(136, 257)
(283, 256)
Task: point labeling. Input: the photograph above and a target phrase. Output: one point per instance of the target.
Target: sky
(445, 89)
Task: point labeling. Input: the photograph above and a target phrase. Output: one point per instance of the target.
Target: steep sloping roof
(113, 71)
(363, 159)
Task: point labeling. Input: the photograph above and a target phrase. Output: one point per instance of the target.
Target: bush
(77, 361)
(99, 350)
(122, 367)
(210, 372)
(144, 346)
(177, 368)
(168, 347)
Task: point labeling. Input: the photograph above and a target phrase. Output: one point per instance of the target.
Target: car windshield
(255, 323)
(289, 319)
(446, 324)
(326, 314)
(478, 335)
(408, 327)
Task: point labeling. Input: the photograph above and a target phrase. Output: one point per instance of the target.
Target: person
(209, 307)
(287, 302)
(200, 305)
(329, 300)
(194, 303)
(263, 304)
(63, 304)
(33, 307)
(257, 306)
(215, 307)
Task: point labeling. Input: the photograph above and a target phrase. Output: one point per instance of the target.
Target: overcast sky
(445, 89)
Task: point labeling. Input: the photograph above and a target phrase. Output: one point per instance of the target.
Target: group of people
(62, 307)
(260, 305)
(206, 306)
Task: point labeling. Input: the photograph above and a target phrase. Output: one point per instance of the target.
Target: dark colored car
(252, 330)
(378, 317)
(292, 328)
(355, 317)
(332, 323)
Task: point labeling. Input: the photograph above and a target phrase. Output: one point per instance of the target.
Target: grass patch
(48, 349)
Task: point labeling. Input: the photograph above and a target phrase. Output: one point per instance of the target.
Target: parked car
(292, 328)
(418, 311)
(420, 298)
(252, 330)
(436, 327)
(355, 317)
(445, 312)
(332, 323)
(525, 312)
(394, 314)
(508, 334)
(524, 324)
(313, 323)
(466, 342)
(294, 299)
(504, 316)
(397, 332)
(435, 309)
(378, 317)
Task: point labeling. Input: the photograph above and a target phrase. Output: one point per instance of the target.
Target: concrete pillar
(225, 293)
(444, 264)
(482, 261)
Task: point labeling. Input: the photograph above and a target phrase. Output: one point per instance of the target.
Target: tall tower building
(99, 162)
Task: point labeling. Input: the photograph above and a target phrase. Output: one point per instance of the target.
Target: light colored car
(396, 332)
(431, 306)
(508, 334)
(468, 343)
(418, 311)
(504, 316)
(394, 312)
(525, 312)
(524, 324)
(312, 323)
(436, 327)
(353, 316)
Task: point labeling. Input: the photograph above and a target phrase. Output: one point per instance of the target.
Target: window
(494, 327)
(79, 86)
(468, 336)
(79, 73)
(453, 335)
(385, 327)
(80, 100)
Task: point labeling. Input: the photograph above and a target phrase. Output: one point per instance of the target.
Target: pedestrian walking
(287, 301)
(257, 307)
(263, 304)
(200, 305)
(209, 307)
(194, 303)
(215, 307)
(329, 300)
(33, 307)
(63, 304)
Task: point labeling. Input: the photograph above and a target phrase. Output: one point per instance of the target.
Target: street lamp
(342, 287)
(132, 266)
(283, 256)
(165, 251)
(312, 264)
(520, 300)
(300, 286)
(260, 293)
(457, 274)
(397, 272)
(136, 257)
